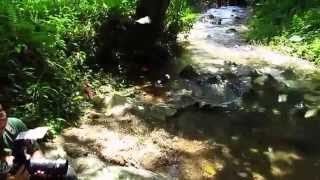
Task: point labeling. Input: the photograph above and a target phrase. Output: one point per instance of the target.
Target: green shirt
(13, 128)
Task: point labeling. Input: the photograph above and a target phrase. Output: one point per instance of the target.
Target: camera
(51, 168)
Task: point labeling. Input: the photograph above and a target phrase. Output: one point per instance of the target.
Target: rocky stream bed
(233, 111)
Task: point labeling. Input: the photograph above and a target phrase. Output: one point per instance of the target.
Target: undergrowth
(292, 26)
(45, 47)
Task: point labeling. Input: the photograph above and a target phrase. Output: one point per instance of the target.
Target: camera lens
(49, 167)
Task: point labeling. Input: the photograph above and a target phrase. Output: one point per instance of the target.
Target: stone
(92, 167)
(260, 80)
(114, 100)
(157, 112)
(231, 30)
(129, 173)
(296, 38)
(189, 73)
(115, 105)
(210, 16)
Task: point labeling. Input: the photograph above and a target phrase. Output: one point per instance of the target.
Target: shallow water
(256, 111)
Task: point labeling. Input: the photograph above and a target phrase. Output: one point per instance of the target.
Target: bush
(180, 17)
(43, 52)
(292, 24)
(46, 47)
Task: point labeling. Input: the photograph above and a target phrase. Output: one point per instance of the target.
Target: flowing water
(257, 111)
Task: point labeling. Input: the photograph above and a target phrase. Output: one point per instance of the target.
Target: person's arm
(22, 174)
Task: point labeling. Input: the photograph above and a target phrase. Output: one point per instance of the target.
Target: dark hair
(2, 112)
(3, 107)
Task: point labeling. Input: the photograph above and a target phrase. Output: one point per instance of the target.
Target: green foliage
(44, 46)
(180, 17)
(290, 25)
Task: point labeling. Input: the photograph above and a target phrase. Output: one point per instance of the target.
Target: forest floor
(199, 128)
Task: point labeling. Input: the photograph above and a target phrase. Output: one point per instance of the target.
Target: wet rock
(260, 80)
(210, 16)
(189, 73)
(114, 100)
(215, 79)
(183, 101)
(94, 168)
(219, 89)
(272, 83)
(116, 105)
(219, 21)
(183, 92)
(156, 112)
(242, 71)
(289, 74)
(231, 30)
(95, 115)
(205, 19)
(202, 19)
(229, 63)
(237, 19)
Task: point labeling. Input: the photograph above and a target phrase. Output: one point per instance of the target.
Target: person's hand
(22, 174)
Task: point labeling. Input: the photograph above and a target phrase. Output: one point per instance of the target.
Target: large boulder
(115, 105)
(92, 168)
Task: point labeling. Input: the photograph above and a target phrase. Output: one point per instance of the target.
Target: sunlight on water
(271, 131)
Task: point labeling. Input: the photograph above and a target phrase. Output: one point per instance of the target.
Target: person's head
(3, 119)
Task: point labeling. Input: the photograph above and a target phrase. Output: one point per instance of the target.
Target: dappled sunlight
(282, 162)
(125, 96)
(227, 111)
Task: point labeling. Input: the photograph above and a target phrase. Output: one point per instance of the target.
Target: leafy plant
(46, 47)
(180, 16)
(291, 26)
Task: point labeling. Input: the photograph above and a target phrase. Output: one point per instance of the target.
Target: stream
(258, 109)
(232, 111)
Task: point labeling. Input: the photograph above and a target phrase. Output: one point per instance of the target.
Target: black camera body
(50, 168)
